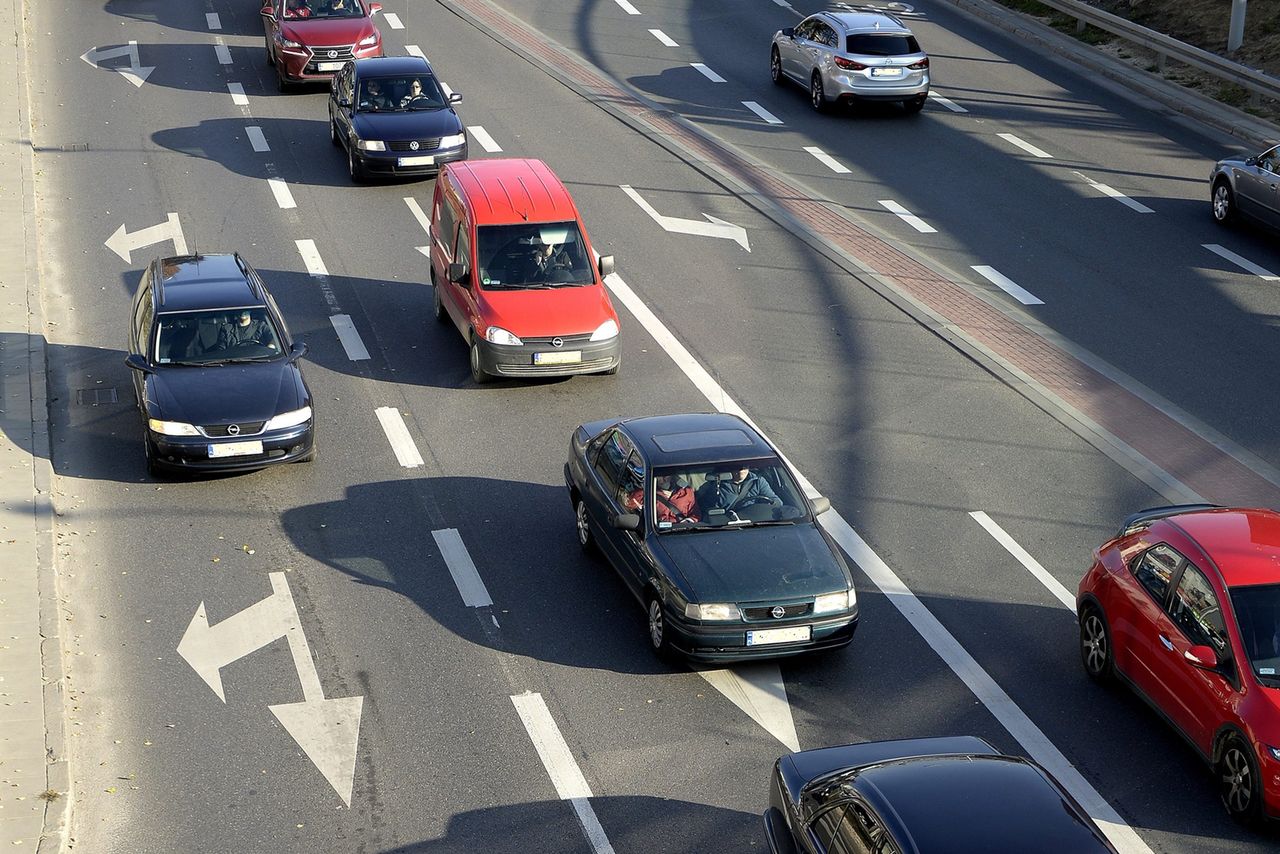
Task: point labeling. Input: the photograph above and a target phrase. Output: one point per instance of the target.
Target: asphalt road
(907, 436)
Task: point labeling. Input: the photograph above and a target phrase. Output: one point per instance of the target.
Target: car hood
(221, 394)
(544, 313)
(420, 124)
(328, 31)
(762, 564)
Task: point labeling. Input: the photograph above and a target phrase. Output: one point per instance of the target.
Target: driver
(415, 94)
(244, 329)
(744, 487)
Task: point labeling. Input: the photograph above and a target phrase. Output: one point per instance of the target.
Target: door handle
(1168, 644)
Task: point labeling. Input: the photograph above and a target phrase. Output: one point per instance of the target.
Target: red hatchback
(310, 40)
(1183, 605)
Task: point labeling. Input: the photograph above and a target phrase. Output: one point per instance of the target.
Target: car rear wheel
(914, 105)
(1238, 783)
(1224, 203)
(658, 637)
(817, 97)
(585, 540)
(1095, 645)
(478, 376)
(775, 67)
(354, 169)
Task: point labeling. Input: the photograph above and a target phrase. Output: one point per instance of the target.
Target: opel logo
(413, 146)
(333, 54)
(233, 429)
(557, 342)
(778, 612)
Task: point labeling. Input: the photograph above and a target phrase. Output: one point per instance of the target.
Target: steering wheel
(751, 502)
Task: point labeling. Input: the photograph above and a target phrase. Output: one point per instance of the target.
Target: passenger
(339, 7)
(674, 503)
(374, 97)
(297, 9)
(246, 330)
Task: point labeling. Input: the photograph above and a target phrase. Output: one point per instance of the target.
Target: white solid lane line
(565, 775)
(627, 7)
(1000, 704)
(827, 160)
(1025, 146)
(393, 20)
(311, 257)
(237, 95)
(664, 38)
(414, 50)
(350, 338)
(947, 102)
(1243, 263)
(759, 691)
(462, 568)
(223, 52)
(212, 19)
(707, 72)
(482, 136)
(280, 190)
(1024, 557)
(907, 216)
(256, 139)
(762, 112)
(1115, 194)
(398, 435)
(1004, 283)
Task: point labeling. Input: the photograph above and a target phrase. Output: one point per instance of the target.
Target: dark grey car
(1247, 185)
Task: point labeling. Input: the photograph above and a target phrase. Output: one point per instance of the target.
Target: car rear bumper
(388, 162)
(851, 88)
(520, 361)
(703, 642)
(191, 453)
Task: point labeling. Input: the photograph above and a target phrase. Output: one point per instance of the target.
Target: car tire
(1224, 203)
(914, 105)
(817, 95)
(282, 85)
(659, 637)
(154, 468)
(1096, 652)
(310, 457)
(333, 133)
(354, 169)
(613, 371)
(478, 376)
(585, 541)
(271, 57)
(1238, 785)
(437, 304)
(775, 68)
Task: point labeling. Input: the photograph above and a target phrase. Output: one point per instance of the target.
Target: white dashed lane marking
(398, 435)
(212, 19)
(1115, 194)
(1242, 262)
(237, 95)
(707, 72)
(223, 52)
(627, 7)
(907, 216)
(1004, 283)
(393, 20)
(1024, 557)
(762, 112)
(664, 38)
(827, 160)
(1025, 146)
(462, 568)
(350, 338)
(311, 257)
(482, 137)
(256, 139)
(414, 50)
(947, 102)
(280, 190)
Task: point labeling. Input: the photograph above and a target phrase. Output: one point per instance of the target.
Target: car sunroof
(703, 439)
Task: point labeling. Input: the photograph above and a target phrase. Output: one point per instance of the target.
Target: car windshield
(400, 94)
(719, 495)
(532, 255)
(1258, 611)
(312, 9)
(870, 44)
(212, 337)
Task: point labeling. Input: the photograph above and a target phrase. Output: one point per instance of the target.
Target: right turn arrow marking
(714, 227)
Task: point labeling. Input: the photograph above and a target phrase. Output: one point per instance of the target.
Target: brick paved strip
(1175, 459)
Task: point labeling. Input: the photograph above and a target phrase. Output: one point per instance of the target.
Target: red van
(513, 270)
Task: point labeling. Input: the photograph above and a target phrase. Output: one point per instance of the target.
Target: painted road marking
(908, 217)
(947, 102)
(714, 227)
(627, 7)
(448, 93)
(1243, 263)
(1115, 194)
(212, 19)
(565, 775)
(280, 190)
(462, 568)
(943, 643)
(393, 20)
(398, 435)
(759, 691)
(1024, 557)
(482, 136)
(223, 52)
(664, 38)
(414, 50)
(707, 72)
(1004, 283)
(762, 112)
(1025, 146)
(420, 215)
(123, 242)
(350, 338)
(256, 138)
(827, 160)
(237, 95)
(784, 4)
(136, 73)
(311, 257)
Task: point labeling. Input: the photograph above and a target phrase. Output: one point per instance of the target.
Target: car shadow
(240, 18)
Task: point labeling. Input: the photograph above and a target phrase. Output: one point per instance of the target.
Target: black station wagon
(706, 524)
(215, 370)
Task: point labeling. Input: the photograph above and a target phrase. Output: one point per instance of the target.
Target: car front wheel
(1224, 203)
(585, 540)
(775, 67)
(1238, 782)
(354, 169)
(271, 57)
(659, 640)
(333, 132)
(437, 303)
(478, 375)
(1095, 645)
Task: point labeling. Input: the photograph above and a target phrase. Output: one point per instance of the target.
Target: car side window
(631, 490)
(825, 35)
(1196, 611)
(837, 831)
(146, 312)
(446, 223)
(805, 29)
(1155, 569)
(462, 250)
(610, 461)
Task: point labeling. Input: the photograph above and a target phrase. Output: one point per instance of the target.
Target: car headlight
(172, 428)
(498, 335)
(453, 141)
(371, 145)
(605, 331)
(714, 611)
(289, 419)
(369, 40)
(1274, 751)
(284, 42)
(829, 603)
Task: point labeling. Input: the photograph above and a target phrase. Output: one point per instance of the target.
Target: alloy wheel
(584, 526)
(657, 628)
(1237, 781)
(1223, 207)
(775, 66)
(816, 96)
(1095, 647)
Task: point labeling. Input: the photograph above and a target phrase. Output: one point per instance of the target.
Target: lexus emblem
(333, 54)
(234, 430)
(413, 146)
(778, 612)
(557, 342)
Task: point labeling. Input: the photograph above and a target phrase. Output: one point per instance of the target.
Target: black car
(1247, 185)
(393, 117)
(920, 796)
(215, 370)
(705, 523)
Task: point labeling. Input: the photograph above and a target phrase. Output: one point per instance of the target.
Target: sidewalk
(34, 780)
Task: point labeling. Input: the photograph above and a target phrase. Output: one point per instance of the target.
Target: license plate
(886, 72)
(329, 66)
(788, 635)
(566, 357)
(420, 160)
(235, 449)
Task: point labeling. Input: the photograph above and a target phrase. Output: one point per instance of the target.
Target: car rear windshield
(1258, 610)
(532, 255)
(886, 44)
(226, 335)
(715, 495)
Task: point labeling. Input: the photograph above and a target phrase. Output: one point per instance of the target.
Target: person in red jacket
(674, 503)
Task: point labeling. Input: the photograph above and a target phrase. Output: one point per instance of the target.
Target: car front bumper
(524, 360)
(711, 642)
(389, 162)
(301, 65)
(191, 453)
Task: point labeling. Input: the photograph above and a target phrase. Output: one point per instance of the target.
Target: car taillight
(849, 64)
(919, 66)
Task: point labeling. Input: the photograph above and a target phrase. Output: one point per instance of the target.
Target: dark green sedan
(707, 526)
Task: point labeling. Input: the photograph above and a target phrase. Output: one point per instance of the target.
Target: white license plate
(235, 449)
(886, 72)
(329, 66)
(420, 160)
(567, 357)
(788, 635)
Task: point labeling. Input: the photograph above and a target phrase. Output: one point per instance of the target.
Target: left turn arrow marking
(134, 72)
(123, 242)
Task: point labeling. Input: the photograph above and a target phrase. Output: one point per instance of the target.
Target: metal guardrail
(1257, 82)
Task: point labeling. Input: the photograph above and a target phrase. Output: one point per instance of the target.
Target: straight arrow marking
(714, 227)
(759, 691)
(136, 73)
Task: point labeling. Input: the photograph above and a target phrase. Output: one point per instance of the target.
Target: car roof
(512, 190)
(703, 437)
(195, 282)
(1243, 542)
(974, 803)
(380, 65)
(871, 22)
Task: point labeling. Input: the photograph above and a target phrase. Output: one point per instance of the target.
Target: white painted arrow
(759, 691)
(420, 215)
(328, 731)
(123, 242)
(136, 73)
(714, 227)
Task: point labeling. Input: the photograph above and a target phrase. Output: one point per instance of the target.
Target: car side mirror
(1202, 656)
(789, 32)
(626, 521)
(374, 8)
(297, 350)
(137, 363)
(821, 504)
(458, 273)
(606, 265)
(455, 97)
(1251, 161)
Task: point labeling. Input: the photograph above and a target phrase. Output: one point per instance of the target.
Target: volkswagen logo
(333, 54)
(557, 342)
(413, 146)
(778, 612)
(233, 429)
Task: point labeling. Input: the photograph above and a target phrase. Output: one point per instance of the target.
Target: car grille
(344, 52)
(567, 339)
(765, 613)
(407, 144)
(247, 428)
(536, 370)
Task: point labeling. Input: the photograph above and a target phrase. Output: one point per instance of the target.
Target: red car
(310, 40)
(1183, 605)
